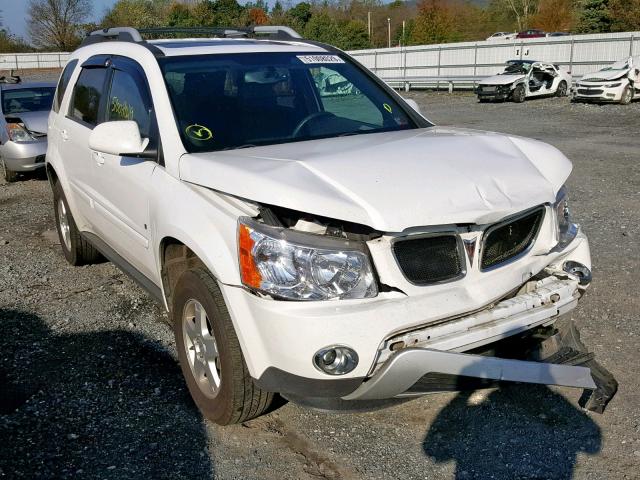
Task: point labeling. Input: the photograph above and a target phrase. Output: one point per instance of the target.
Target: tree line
(348, 24)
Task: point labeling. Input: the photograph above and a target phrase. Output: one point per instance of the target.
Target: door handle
(64, 135)
(98, 157)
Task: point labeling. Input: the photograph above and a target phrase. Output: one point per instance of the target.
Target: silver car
(24, 109)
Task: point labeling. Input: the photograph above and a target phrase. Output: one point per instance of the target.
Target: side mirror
(120, 137)
(413, 104)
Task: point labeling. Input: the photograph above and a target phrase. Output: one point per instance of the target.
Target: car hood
(391, 181)
(34, 121)
(501, 79)
(605, 75)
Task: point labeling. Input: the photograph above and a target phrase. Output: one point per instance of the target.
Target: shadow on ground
(519, 431)
(94, 405)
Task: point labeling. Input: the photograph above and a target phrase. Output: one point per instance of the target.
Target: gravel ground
(90, 388)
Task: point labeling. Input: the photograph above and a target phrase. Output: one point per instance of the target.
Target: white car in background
(619, 82)
(326, 247)
(522, 79)
(501, 36)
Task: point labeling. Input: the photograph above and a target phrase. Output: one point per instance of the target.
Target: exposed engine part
(306, 222)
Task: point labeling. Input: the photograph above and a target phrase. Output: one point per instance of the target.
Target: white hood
(391, 181)
(605, 75)
(501, 79)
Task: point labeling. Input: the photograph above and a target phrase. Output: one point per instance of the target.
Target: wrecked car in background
(619, 82)
(24, 110)
(522, 79)
(324, 249)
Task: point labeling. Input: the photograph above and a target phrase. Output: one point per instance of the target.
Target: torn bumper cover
(561, 359)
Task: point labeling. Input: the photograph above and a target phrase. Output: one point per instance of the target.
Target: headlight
(565, 228)
(300, 266)
(17, 133)
(613, 85)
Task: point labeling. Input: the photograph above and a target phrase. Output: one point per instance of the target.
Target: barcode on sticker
(320, 59)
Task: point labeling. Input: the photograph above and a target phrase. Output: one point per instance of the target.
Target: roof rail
(130, 34)
(273, 31)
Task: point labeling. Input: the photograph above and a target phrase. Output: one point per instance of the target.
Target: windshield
(21, 100)
(231, 101)
(516, 68)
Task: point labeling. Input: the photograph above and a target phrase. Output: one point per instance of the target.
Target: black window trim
(57, 103)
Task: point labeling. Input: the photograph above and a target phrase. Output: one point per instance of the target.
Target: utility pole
(369, 25)
(389, 31)
(403, 28)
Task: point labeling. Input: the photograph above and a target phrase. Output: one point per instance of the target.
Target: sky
(14, 14)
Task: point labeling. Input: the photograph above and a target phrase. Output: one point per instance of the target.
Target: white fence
(456, 64)
(462, 64)
(19, 61)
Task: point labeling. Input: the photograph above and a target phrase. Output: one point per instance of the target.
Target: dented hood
(501, 79)
(605, 75)
(391, 181)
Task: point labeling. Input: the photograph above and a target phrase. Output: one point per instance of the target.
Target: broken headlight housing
(294, 265)
(566, 230)
(18, 133)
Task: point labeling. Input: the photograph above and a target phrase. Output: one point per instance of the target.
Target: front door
(122, 183)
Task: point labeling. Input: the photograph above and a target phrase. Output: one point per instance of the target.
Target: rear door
(120, 184)
(73, 130)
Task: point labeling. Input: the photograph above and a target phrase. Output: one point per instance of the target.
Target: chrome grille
(508, 240)
(430, 258)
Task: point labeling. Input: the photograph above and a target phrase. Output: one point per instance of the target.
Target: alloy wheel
(63, 223)
(201, 348)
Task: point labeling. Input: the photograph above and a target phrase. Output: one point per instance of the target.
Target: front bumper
(498, 94)
(598, 92)
(560, 359)
(24, 156)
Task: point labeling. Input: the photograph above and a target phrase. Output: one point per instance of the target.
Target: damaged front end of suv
(359, 303)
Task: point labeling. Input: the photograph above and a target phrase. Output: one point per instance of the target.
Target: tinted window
(62, 84)
(27, 100)
(87, 94)
(128, 100)
(228, 101)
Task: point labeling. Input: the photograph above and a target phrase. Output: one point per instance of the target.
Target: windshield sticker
(387, 107)
(198, 132)
(320, 59)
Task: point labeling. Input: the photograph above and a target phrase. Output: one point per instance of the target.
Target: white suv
(308, 231)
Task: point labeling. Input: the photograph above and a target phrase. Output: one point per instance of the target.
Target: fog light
(335, 360)
(579, 270)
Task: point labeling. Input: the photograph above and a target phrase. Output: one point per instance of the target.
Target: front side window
(229, 101)
(21, 100)
(63, 83)
(87, 94)
(128, 100)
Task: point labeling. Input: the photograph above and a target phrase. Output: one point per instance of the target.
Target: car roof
(18, 86)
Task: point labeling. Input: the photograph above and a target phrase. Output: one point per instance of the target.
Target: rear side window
(63, 83)
(87, 94)
(129, 100)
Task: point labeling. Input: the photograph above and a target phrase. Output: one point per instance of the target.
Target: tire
(562, 89)
(519, 94)
(76, 249)
(627, 96)
(9, 175)
(212, 346)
